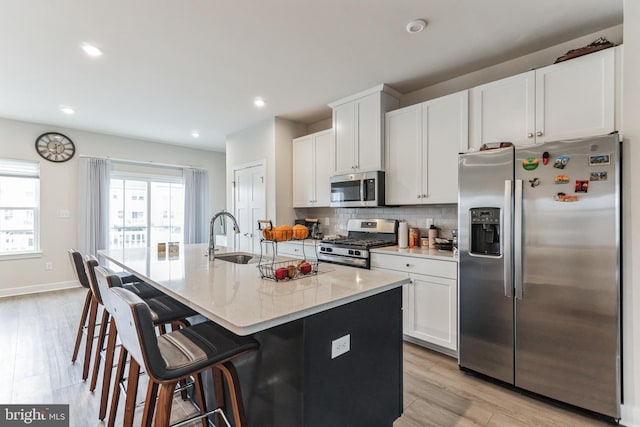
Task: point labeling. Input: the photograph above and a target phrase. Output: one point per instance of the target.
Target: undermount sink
(236, 257)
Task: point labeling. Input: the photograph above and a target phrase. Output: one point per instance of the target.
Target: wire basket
(284, 270)
(288, 270)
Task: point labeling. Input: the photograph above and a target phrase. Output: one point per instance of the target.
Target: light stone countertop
(236, 297)
(417, 253)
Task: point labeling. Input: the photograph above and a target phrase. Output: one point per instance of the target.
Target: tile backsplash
(334, 220)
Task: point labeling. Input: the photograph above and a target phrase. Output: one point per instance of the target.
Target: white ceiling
(170, 67)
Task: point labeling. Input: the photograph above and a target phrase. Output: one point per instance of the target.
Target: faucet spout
(212, 240)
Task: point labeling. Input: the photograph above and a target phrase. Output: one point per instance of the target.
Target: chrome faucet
(212, 239)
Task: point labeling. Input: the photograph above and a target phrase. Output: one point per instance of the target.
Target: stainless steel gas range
(362, 235)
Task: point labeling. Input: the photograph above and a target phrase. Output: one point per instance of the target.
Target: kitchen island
(330, 344)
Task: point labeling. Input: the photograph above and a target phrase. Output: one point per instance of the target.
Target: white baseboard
(33, 289)
(630, 416)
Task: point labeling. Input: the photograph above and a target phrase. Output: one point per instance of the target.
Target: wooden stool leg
(132, 393)
(200, 399)
(108, 368)
(91, 326)
(165, 399)
(150, 403)
(97, 357)
(233, 382)
(122, 361)
(83, 319)
(218, 389)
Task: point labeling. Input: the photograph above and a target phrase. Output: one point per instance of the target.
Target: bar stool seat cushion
(194, 348)
(142, 289)
(165, 309)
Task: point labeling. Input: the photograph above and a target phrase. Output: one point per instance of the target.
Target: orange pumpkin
(282, 233)
(300, 232)
(267, 233)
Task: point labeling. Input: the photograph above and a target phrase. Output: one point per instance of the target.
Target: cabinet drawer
(426, 266)
(296, 250)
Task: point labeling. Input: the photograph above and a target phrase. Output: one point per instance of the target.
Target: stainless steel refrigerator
(539, 269)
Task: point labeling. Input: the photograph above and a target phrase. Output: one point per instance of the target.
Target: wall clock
(55, 147)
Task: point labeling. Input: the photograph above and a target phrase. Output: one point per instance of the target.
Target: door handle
(507, 238)
(517, 240)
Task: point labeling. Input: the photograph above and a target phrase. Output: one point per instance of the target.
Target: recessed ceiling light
(416, 26)
(195, 134)
(67, 110)
(259, 102)
(91, 50)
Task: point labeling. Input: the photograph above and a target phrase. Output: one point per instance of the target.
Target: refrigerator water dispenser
(485, 231)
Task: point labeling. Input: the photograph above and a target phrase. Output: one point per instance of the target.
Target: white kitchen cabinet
(430, 307)
(359, 129)
(313, 157)
(422, 146)
(571, 99)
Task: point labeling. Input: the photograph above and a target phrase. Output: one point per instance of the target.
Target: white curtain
(94, 177)
(196, 198)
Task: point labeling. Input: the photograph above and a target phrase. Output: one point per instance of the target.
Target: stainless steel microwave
(362, 189)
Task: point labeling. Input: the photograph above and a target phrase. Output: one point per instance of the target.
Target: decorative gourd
(300, 232)
(282, 233)
(267, 233)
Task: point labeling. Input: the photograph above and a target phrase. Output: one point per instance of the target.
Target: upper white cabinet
(571, 99)
(313, 165)
(422, 146)
(358, 122)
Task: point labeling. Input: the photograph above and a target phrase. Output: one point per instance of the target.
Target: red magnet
(545, 158)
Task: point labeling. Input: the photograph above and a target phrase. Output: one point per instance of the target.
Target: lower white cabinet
(430, 315)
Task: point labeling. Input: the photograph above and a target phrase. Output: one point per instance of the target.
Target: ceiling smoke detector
(416, 26)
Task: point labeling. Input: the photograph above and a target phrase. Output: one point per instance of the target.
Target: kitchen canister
(433, 233)
(414, 237)
(403, 235)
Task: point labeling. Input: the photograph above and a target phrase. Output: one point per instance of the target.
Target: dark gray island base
(293, 381)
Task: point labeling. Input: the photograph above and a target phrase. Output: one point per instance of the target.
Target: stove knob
(328, 250)
(356, 252)
(350, 252)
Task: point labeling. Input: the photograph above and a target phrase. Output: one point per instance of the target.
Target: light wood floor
(37, 335)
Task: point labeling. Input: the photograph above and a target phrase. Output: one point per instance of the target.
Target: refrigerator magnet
(561, 179)
(599, 160)
(545, 158)
(530, 163)
(598, 176)
(534, 182)
(582, 186)
(561, 197)
(561, 162)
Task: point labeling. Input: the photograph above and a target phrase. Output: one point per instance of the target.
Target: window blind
(20, 168)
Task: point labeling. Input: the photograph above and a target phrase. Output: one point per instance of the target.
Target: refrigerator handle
(517, 241)
(507, 237)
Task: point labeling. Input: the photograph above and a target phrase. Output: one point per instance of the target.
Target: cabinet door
(369, 133)
(403, 130)
(432, 310)
(303, 172)
(324, 150)
(344, 123)
(405, 302)
(445, 134)
(576, 98)
(504, 111)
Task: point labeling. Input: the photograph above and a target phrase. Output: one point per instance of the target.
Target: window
(145, 210)
(19, 206)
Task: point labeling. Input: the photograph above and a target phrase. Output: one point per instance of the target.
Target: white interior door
(249, 206)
